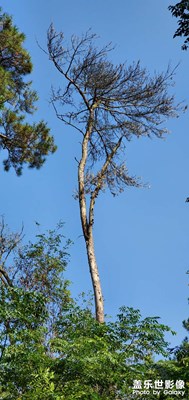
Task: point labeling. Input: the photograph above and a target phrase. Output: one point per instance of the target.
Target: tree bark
(99, 301)
(87, 225)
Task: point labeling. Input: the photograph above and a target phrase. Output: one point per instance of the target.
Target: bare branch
(99, 181)
(8, 243)
(7, 280)
(4, 137)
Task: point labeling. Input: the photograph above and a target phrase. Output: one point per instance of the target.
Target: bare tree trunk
(99, 302)
(87, 219)
(87, 225)
(93, 267)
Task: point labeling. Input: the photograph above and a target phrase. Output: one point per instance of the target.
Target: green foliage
(28, 307)
(181, 10)
(177, 367)
(51, 346)
(22, 336)
(25, 143)
(181, 355)
(101, 361)
(41, 266)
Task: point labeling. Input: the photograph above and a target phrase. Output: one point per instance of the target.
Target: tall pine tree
(25, 143)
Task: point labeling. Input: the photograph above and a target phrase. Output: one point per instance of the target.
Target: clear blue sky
(141, 237)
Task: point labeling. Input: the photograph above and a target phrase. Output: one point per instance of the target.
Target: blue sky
(141, 237)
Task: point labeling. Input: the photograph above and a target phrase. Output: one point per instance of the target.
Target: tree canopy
(25, 143)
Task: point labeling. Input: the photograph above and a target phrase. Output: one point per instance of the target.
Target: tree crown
(25, 143)
(114, 102)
